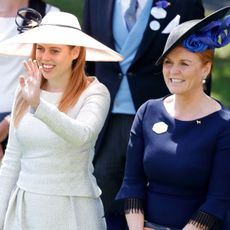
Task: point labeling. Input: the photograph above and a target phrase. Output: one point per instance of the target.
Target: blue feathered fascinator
(198, 35)
(215, 35)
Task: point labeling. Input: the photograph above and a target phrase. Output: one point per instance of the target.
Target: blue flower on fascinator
(194, 43)
(215, 35)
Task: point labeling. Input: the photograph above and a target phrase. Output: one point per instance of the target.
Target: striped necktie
(130, 14)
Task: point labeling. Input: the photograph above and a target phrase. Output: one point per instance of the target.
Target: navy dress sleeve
(134, 183)
(218, 195)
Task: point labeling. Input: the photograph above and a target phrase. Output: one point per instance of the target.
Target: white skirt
(32, 211)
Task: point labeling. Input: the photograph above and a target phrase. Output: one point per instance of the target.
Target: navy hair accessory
(215, 35)
(27, 18)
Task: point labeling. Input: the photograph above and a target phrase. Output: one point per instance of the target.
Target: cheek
(165, 71)
(38, 56)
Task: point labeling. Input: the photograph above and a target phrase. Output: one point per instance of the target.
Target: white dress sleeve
(85, 127)
(9, 172)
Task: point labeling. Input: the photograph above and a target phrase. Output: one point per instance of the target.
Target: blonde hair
(76, 85)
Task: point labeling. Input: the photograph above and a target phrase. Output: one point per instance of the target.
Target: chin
(176, 91)
(47, 76)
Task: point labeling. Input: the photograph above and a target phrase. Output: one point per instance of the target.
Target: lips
(176, 80)
(47, 67)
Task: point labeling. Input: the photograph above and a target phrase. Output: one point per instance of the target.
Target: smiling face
(56, 62)
(184, 71)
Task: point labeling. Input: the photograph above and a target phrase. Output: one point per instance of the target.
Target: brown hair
(207, 56)
(76, 85)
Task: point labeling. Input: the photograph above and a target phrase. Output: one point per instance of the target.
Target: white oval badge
(160, 127)
(158, 13)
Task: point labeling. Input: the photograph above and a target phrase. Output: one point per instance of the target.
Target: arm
(134, 213)
(80, 130)
(135, 221)
(212, 213)
(9, 171)
(193, 227)
(85, 127)
(134, 184)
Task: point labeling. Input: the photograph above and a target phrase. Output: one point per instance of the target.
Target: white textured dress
(46, 180)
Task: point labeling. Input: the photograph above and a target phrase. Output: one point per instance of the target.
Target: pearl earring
(204, 80)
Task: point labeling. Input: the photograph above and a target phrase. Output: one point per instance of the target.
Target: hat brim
(185, 29)
(21, 44)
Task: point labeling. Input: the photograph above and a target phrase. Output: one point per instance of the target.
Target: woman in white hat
(46, 179)
(177, 168)
(11, 66)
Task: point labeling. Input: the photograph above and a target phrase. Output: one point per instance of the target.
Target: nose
(174, 69)
(44, 55)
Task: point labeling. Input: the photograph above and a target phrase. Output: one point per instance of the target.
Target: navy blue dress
(178, 167)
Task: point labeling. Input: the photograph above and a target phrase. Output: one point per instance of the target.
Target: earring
(204, 80)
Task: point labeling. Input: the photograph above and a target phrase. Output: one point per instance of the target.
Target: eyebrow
(186, 60)
(170, 59)
(50, 47)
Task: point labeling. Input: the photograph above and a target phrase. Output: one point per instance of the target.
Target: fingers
(35, 68)
(28, 68)
(32, 68)
(22, 81)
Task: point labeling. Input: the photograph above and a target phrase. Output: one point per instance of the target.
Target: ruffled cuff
(206, 221)
(133, 205)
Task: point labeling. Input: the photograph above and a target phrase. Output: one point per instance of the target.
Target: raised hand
(30, 86)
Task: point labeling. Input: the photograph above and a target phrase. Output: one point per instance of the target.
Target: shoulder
(152, 103)
(223, 126)
(150, 106)
(221, 123)
(97, 85)
(224, 115)
(96, 88)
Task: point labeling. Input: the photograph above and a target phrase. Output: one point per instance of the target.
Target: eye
(184, 64)
(55, 51)
(167, 62)
(39, 48)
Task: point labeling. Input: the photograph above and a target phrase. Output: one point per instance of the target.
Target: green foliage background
(72, 6)
(221, 70)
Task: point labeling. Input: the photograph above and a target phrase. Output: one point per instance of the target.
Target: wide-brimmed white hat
(58, 28)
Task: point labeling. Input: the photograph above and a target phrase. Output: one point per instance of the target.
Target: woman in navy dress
(177, 168)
